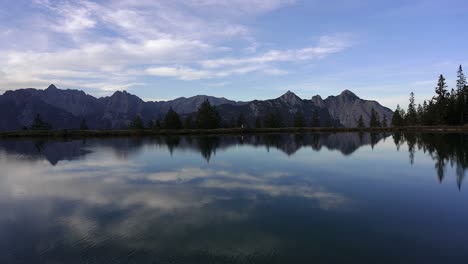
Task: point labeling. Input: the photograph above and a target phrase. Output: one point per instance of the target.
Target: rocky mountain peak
(290, 98)
(318, 101)
(52, 87)
(349, 95)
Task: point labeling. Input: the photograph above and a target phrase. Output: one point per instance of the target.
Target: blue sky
(239, 49)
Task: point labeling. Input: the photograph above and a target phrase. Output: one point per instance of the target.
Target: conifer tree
(397, 119)
(39, 124)
(462, 96)
(258, 122)
(360, 122)
(384, 121)
(83, 124)
(150, 124)
(315, 118)
(240, 120)
(207, 116)
(137, 123)
(461, 80)
(420, 114)
(273, 120)
(299, 120)
(172, 120)
(374, 119)
(441, 89)
(188, 122)
(411, 115)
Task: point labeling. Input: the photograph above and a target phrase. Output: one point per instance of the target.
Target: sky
(238, 49)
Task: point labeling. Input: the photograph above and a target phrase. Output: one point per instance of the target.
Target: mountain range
(66, 108)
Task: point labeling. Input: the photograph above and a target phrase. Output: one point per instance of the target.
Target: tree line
(444, 108)
(207, 117)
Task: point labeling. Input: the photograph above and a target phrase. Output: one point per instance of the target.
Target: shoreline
(223, 131)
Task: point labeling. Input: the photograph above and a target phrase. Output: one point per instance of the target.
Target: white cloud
(114, 44)
(327, 45)
(182, 73)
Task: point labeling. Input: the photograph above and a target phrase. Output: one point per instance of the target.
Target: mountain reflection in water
(280, 198)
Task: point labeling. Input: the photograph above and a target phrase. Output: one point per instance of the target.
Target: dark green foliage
(374, 119)
(150, 124)
(384, 122)
(188, 122)
(360, 122)
(441, 89)
(412, 115)
(207, 116)
(232, 123)
(258, 122)
(273, 120)
(240, 120)
(83, 125)
(445, 108)
(315, 119)
(158, 124)
(39, 124)
(397, 119)
(420, 114)
(299, 120)
(465, 108)
(172, 120)
(137, 123)
(461, 80)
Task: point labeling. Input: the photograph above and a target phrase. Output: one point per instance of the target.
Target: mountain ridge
(65, 108)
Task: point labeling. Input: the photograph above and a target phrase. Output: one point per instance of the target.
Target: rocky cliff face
(66, 108)
(286, 106)
(348, 107)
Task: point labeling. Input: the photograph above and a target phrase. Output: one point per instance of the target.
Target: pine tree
(441, 89)
(172, 120)
(258, 122)
(411, 116)
(461, 80)
(397, 119)
(465, 108)
(384, 121)
(374, 119)
(360, 122)
(39, 124)
(207, 116)
(188, 122)
(299, 120)
(273, 120)
(462, 96)
(137, 123)
(441, 99)
(83, 124)
(420, 114)
(424, 116)
(315, 118)
(150, 124)
(240, 120)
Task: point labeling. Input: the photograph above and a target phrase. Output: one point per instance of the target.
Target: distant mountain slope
(66, 108)
(347, 107)
(286, 105)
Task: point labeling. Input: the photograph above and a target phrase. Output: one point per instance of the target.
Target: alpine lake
(272, 198)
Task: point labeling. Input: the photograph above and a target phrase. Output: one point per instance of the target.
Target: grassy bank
(121, 133)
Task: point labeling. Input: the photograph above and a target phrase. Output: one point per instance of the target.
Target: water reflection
(284, 198)
(444, 148)
(54, 151)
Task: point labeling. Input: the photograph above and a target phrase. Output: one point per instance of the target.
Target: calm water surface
(324, 198)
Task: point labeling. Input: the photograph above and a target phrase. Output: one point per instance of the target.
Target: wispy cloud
(113, 44)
